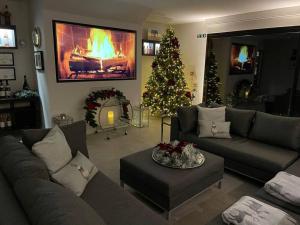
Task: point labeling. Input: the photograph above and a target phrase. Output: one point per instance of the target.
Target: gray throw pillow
(241, 120)
(277, 130)
(211, 114)
(188, 117)
(214, 129)
(47, 203)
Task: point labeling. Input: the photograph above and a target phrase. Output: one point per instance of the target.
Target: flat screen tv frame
(10, 27)
(54, 22)
(234, 73)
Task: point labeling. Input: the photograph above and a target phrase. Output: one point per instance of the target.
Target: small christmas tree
(166, 87)
(212, 80)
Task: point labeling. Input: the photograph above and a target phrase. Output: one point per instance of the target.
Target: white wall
(69, 97)
(193, 52)
(194, 49)
(23, 56)
(255, 20)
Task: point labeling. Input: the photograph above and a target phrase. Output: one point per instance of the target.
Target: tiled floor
(107, 153)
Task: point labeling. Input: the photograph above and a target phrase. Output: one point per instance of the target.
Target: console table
(25, 113)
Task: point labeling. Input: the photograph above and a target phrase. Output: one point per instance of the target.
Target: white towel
(249, 211)
(286, 187)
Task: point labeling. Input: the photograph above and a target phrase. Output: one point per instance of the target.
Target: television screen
(7, 37)
(85, 52)
(242, 59)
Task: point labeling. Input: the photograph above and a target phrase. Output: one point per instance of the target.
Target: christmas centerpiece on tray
(180, 155)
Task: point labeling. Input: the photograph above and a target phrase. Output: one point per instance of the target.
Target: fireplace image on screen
(85, 52)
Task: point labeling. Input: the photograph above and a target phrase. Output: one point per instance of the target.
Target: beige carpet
(107, 153)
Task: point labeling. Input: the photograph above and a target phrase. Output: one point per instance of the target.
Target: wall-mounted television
(242, 59)
(88, 53)
(8, 37)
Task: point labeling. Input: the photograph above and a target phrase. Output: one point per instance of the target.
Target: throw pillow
(75, 134)
(76, 174)
(241, 120)
(214, 129)
(188, 117)
(211, 114)
(53, 150)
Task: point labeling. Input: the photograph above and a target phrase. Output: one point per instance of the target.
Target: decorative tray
(178, 155)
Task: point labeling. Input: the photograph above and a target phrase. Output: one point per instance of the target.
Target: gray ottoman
(167, 187)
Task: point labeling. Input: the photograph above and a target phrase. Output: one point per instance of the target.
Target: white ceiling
(166, 11)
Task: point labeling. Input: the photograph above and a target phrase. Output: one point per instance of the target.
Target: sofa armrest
(175, 128)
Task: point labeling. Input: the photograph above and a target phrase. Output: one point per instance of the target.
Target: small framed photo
(148, 48)
(7, 73)
(157, 48)
(7, 59)
(39, 60)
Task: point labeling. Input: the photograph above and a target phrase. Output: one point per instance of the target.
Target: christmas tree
(166, 87)
(212, 80)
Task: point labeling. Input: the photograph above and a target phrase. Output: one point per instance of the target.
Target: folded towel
(249, 211)
(286, 187)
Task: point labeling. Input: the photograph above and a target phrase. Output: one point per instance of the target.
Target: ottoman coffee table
(168, 188)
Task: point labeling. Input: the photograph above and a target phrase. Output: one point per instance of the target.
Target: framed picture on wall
(39, 60)
(7, 73)
(242, 59)
(148, 48)
(7, 59)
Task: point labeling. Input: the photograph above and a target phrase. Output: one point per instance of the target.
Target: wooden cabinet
(25, 113)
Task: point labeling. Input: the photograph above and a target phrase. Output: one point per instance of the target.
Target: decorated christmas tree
(212, 80)
(166, 89)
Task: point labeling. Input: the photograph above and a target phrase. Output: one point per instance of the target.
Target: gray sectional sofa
(28, 196)
(261, 144)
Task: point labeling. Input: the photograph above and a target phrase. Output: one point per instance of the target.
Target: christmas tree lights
(166, 87)
(212, 80)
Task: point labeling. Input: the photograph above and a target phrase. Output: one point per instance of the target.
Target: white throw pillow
(54, 150)
(76, 174)
(214, 129)
(211, 114)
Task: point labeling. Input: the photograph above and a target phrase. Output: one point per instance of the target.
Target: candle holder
(140, 116)
(111, 116)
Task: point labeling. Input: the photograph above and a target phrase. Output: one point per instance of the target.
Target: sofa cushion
(264, 195)
(188, 117)
(240, 119)
(117, 206)
(253, 153)
(277, 130)
(47, 203)
(11, 211)
(294, 168)
(17, 162)
(75, 134)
